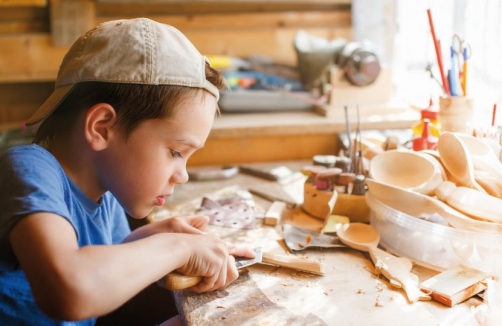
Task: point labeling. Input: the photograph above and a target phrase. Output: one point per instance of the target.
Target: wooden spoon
(416, 204)
(444, 172)
(489, 183)
(484, 157)
(364, 237)
(471, 202)
(457, 160)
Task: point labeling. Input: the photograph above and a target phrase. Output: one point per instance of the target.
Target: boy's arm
(71, 283)
(195, 224)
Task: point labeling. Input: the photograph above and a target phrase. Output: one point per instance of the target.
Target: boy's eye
(176, 154)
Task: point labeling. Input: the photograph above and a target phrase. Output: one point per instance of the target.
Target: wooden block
(293, 262)
(274, 213)
(353, 206)
(455, 285)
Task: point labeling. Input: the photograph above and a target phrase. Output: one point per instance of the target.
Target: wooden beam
(24, 20)
(28, 58)
(148, 8)
(23, 13)
(18, 3)
(242, 21)
(264, 149)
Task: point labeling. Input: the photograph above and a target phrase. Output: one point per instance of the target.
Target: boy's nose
(180, 176)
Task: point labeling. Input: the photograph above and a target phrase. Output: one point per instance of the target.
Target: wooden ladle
(364, 237)
(457, 160)
(483, 156)
(407, 169)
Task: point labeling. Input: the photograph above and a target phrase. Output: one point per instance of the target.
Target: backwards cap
(132, 51)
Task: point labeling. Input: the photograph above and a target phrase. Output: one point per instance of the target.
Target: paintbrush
(347, 127)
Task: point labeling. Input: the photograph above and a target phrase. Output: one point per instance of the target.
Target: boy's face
(143, 170)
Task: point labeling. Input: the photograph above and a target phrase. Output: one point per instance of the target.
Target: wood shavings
(378, 302)
(312, 284)
(308, 238)
(220, 307)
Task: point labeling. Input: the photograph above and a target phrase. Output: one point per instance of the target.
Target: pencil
(494, 114)
(463, 81)
(438, 53)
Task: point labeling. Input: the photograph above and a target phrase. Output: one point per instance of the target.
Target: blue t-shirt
(32, 180)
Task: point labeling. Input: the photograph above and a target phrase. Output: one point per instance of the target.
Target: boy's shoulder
(21, 151)
(28, 161)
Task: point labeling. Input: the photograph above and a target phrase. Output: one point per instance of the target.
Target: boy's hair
(132, 64)
(134, 103)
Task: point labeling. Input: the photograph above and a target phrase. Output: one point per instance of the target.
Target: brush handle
(175, 281)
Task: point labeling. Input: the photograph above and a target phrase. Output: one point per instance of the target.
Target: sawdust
(378, 302)
(360, 291)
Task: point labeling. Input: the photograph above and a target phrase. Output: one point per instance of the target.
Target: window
(401, 28)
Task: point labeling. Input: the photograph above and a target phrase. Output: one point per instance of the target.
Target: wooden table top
(349, 292)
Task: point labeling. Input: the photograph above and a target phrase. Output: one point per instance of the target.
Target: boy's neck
(75, 159)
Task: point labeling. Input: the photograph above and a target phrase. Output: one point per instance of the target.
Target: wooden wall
(35, 35)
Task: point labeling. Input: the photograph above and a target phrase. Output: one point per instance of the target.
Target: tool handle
(175, 281)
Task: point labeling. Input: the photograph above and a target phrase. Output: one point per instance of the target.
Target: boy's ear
(98, 123)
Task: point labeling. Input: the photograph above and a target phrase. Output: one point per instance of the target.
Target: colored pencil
(439, 59)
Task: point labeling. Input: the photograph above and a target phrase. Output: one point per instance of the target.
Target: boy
(133, 100)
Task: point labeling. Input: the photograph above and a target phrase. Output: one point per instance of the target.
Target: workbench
(349, 292)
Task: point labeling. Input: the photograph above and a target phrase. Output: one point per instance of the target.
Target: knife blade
(175, 281)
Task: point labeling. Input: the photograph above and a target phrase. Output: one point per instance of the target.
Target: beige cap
(133, 51)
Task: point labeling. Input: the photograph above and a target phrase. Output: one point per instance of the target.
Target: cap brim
(50, 104)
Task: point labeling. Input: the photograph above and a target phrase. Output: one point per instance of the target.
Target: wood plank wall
(32, 42)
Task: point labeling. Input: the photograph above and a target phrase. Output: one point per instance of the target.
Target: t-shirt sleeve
(33, 183)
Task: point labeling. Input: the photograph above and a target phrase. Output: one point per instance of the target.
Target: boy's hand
(214, 260)
(240, 251)
(195, 224)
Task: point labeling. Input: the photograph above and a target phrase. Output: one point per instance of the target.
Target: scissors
(461, 48)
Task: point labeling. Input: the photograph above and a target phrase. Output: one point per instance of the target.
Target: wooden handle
(304, 265)
(175, 281)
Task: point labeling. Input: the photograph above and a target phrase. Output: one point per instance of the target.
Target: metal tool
(175, 281)
(299, 239)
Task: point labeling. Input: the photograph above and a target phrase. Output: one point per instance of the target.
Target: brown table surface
(349, 293)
